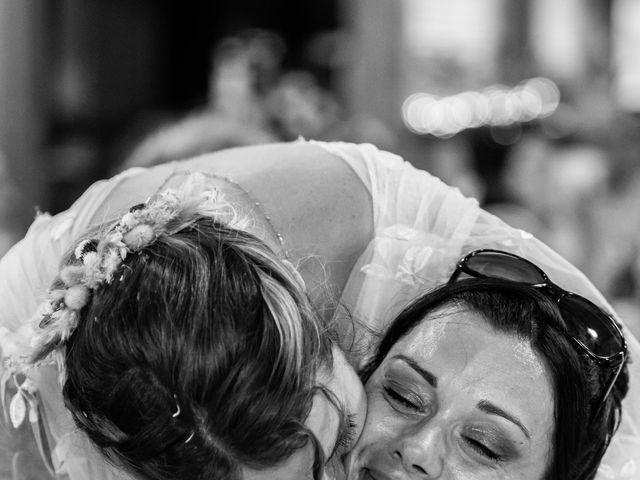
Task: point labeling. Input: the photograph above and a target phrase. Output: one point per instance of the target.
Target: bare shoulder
(313, 198)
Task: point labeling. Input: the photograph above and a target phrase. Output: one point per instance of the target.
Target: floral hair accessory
(99, 259)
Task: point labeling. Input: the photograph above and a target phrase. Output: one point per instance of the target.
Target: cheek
(360, 409)
(377, 435)
(354, 398)
(381, 422)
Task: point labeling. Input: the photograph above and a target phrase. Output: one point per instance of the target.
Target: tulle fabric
(25, 274)
(422, 228)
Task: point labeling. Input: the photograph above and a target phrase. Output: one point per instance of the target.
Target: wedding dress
(422, 228)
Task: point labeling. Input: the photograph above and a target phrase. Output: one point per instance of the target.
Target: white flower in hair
(93, 274)
(99, 259)
(139, 237)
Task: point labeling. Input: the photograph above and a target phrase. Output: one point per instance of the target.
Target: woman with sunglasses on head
(348, 223)
(498, 374)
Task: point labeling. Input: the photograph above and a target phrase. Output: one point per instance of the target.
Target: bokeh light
(496, 106)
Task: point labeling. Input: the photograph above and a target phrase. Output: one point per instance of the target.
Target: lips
(366, 474)
(373, 465)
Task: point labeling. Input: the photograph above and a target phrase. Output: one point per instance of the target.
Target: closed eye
(347, 436)
(401, 399)
(482, 449)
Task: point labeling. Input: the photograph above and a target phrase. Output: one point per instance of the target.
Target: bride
(362, 228)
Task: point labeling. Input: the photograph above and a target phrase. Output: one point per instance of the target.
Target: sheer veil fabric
(25, 274)
(422, 227)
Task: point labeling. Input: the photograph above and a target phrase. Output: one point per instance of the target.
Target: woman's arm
(313, 199)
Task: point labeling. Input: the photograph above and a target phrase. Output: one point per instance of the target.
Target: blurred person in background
(253, 100)
(568, 192)
(558, 182)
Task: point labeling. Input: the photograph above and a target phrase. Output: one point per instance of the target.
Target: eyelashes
(482, 449)
(407, 404)
(400, 399)
(347, 436)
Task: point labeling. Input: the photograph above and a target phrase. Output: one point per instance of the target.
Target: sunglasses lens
(591, 326)
(584, 320)
(500, 265)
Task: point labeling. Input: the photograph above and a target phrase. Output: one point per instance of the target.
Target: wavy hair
(197, 359)
(580, 436)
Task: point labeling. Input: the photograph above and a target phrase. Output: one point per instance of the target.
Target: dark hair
(580, 437)
(198, 358)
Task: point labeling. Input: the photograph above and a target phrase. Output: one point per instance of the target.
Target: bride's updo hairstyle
(192, 354)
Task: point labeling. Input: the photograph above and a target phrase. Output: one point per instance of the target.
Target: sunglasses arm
(611, 383)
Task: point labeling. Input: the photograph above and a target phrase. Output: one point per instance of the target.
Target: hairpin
(177, 412)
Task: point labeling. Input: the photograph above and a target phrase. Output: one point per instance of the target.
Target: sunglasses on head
(589, 328)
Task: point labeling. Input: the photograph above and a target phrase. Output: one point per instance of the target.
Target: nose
(421, 453)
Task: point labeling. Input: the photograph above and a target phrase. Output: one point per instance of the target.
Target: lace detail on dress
(410, 256)
(622, 460)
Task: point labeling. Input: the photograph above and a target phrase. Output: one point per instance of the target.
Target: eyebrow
(427, 375)
(492, 409)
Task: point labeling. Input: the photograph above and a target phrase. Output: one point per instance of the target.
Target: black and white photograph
(330, 240)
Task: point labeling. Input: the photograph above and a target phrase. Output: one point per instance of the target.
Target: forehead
(463, 335)
(467, 354)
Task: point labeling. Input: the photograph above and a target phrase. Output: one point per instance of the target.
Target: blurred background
(532, 106)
